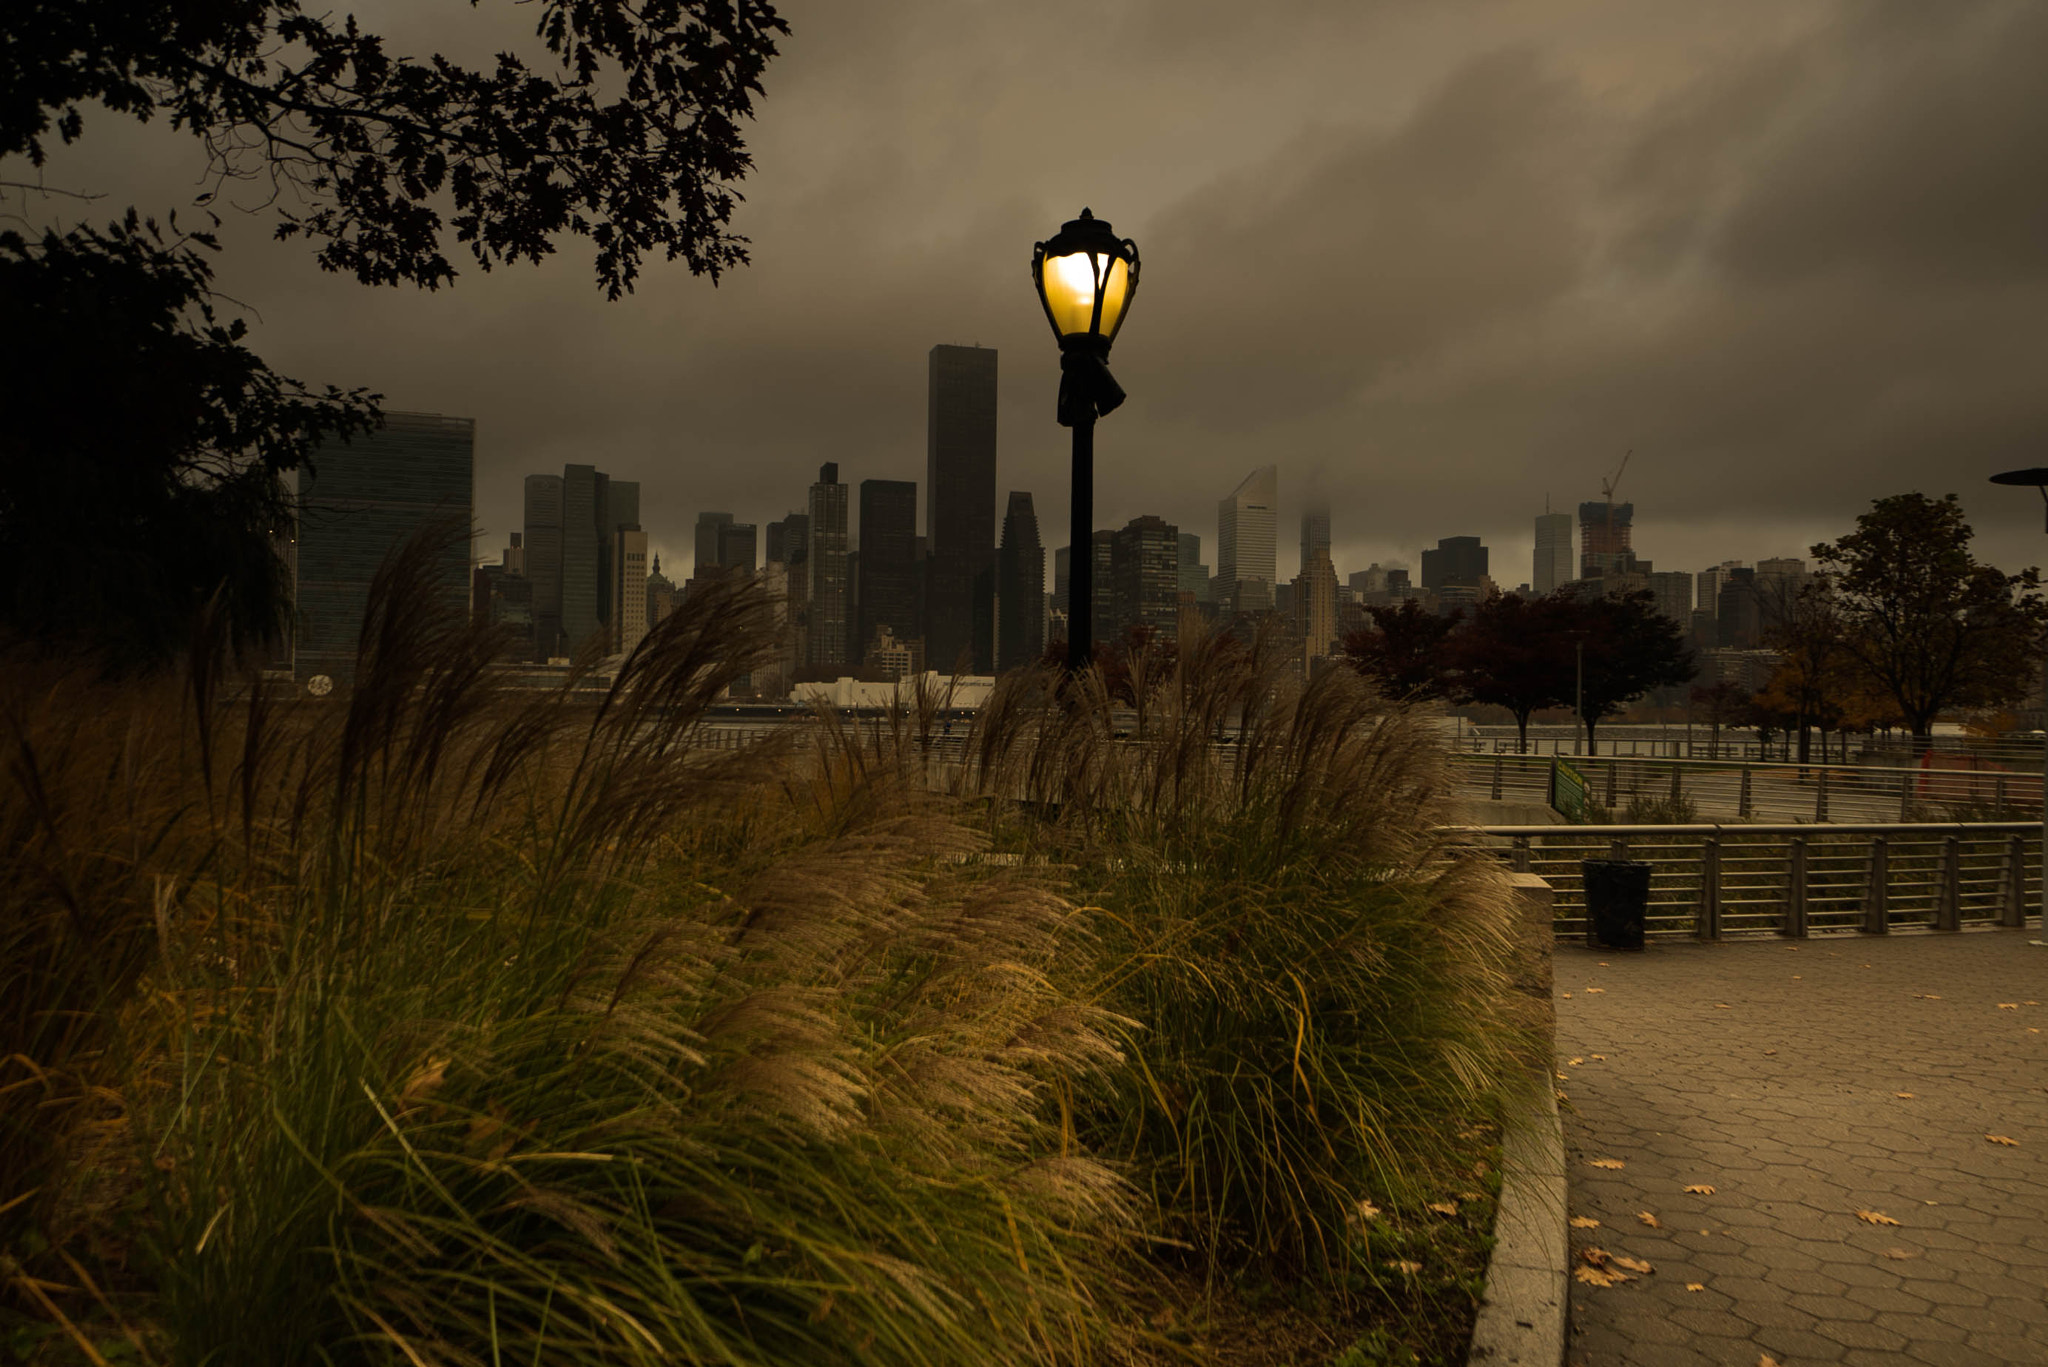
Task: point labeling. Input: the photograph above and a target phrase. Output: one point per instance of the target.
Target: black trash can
(1617, 900)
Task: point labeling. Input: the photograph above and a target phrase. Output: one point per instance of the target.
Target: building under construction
(1604, 530)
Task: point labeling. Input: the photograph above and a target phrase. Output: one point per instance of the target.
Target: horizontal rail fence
(1675, 743)
(1709, 881)
(1954, 787)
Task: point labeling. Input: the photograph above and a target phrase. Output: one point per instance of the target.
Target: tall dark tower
(361, 501)
(960, 508)
(1020, 587)
(887, 588)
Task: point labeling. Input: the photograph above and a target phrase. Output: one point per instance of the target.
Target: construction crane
(1608, 486)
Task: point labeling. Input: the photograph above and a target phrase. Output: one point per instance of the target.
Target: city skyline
(1711, 262)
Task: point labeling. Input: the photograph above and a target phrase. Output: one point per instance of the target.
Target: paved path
(1785, 1102)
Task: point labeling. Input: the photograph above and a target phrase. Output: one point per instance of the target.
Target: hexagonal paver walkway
(1811, 1085)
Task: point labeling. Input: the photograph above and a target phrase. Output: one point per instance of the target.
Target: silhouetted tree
(1723, 704)
(1516, 652)
(1407, 653)
(146, 440)
(627, 135)
(145, 445)
(1630, 648)
(1931, 627)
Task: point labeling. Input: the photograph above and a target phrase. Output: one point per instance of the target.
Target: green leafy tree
(1516, 652)
(1930, 626)
(1630, 648)
(1407, 653)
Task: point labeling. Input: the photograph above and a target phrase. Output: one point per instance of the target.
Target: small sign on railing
(1567, 790)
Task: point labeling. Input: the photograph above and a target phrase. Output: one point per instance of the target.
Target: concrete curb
(1522, 1315)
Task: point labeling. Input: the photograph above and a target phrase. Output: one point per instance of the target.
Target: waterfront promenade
(1848, 1101)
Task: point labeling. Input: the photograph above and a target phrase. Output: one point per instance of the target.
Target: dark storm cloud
(1440, 260)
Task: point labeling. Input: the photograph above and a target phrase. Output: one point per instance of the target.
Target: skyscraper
(1604, 532)
(362, 500)
(1673, 592)
(709, 526)
(1245, 529)
(1315, 531)
(960, 507)
(629, 588)
(1457, 562)
(1103, 624)
(544, 561)
(736, 548)
(618, 505)
(582, 510)
(1315, 608)
(827, 560)
(1194, 575)
(1555, 563)
(1144, 569)
(887, 588)
(1708, 586)
(1020, 586)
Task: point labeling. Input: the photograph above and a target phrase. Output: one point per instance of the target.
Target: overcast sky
(1440, 261)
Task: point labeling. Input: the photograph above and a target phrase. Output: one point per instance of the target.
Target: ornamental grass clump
(1317, 981)
(435, 1023)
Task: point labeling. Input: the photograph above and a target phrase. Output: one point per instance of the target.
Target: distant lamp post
(2038, 478)
(1086, 277)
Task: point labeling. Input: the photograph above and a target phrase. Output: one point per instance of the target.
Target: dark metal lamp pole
(1086, 278)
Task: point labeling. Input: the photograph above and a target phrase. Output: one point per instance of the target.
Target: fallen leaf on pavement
(1768, 1361)
(2008, 1006)
(2003, 1139)
(1875, 1217)
(1798, 977)
(1903, 1096)
(1925, 997)
(1591, 990)
(1900, 1253)
(1444, 1207)
(1562, 1078)
(1700, 1189)
(1597, 1058)
(1596, 1256)
(1608, 1163)
(1632, 1264)
(1593, 1276)
(1566, 995)
(2032, 1003)
(1603, 963)
(1723, 1006)
(1695, 1286)
(1649, 1219)
(1769, 1052)
(1573, 1063)
(1584, 1222)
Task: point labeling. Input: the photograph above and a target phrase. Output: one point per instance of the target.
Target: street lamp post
(2037, 478)
(1086, 277)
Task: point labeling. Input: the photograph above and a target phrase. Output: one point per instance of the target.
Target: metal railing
(1700, 742)
(1754, 791)
(1709, 881)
